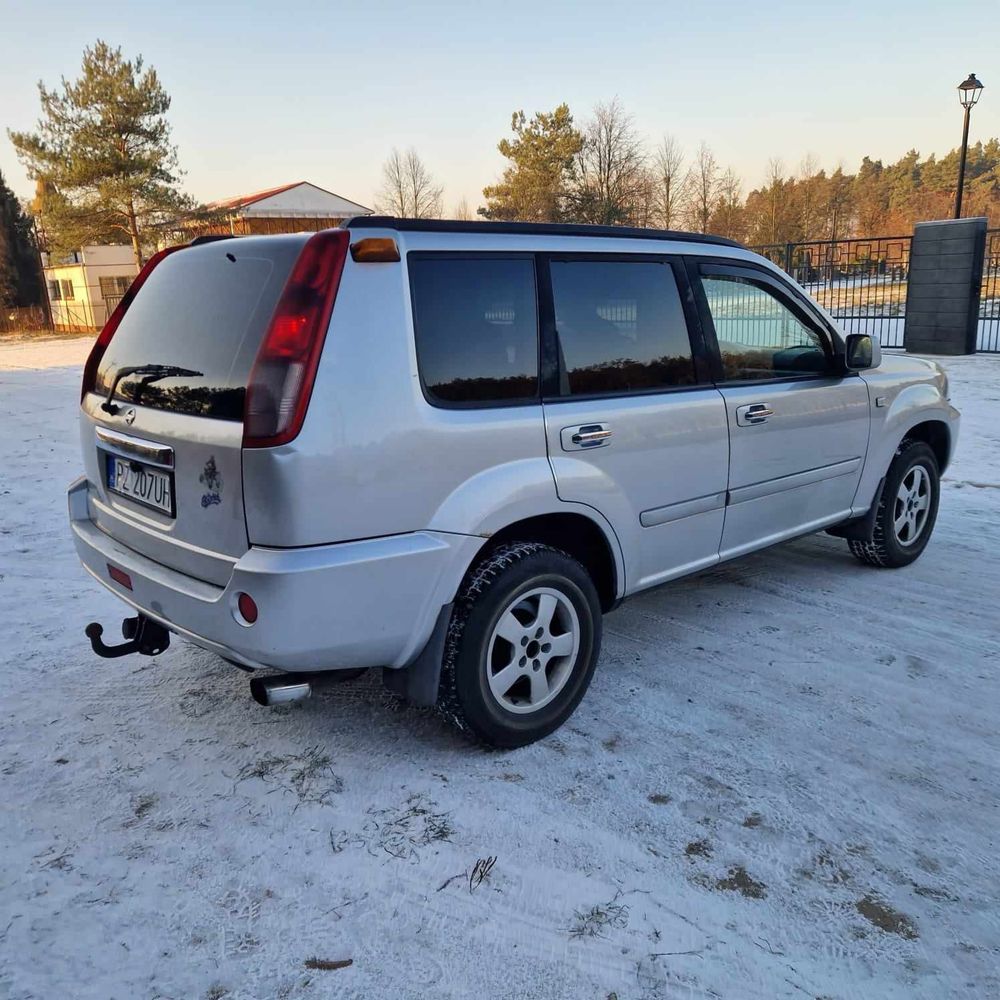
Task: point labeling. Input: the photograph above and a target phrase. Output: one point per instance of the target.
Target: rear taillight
(282, 378)
(104, 337)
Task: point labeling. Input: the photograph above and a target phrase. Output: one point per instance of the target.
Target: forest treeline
(604, 171)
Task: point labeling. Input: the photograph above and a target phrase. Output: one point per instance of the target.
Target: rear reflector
(120, 576)
(247, 607)
(283, 374)
(114, 320)
(375, 250)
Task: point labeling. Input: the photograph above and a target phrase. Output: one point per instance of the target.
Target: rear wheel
(522, 645)
(907, 509)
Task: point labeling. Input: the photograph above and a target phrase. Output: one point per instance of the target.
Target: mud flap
(418, 682)
(860, 529)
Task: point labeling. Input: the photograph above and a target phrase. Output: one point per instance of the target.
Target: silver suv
(446, 449)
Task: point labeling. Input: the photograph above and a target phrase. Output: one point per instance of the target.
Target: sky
(267, 93)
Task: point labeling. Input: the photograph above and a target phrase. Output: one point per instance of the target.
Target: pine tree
(102, 150)
(535, 186)
(20, 274)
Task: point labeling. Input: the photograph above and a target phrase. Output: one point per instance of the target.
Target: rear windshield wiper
(151, 373)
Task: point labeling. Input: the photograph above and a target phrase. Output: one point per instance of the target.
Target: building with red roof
(290, 208)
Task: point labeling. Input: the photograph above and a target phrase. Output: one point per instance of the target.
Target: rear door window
(621, 327)
(476, 327)
(205, 308)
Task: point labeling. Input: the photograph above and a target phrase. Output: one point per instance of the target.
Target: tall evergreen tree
(20, 273)
(534, 188)
(102, 149)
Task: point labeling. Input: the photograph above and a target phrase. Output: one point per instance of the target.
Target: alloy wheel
(533, 650)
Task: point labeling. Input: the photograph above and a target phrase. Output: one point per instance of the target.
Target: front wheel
(907, 509)
(522, 645)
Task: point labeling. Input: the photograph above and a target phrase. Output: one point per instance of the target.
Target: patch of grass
(659, 798)
(400, 833)
(595, 921)
(929, 892)
(698, 849)
(754, 819)
(143, 804)
(828, 871)
(308, 775)
(885, 918)
(739, 881)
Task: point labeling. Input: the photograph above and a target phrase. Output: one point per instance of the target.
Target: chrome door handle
(584, 436)
(753, 413)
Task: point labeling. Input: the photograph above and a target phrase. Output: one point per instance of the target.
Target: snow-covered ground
(784, 782)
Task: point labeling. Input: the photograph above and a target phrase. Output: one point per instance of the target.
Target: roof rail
(530, 229)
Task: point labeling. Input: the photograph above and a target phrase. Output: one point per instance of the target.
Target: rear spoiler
(199, 240)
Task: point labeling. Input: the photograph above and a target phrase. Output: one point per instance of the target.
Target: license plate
(141, 483)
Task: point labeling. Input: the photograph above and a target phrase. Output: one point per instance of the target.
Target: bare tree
(462, 211)
(670, 189)
(810, 199)
(774, 191)
(644, 207)
(610, 168)
(408, 189)
(729, 214)
(703, 186)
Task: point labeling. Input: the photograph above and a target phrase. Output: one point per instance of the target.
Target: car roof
(532, 229)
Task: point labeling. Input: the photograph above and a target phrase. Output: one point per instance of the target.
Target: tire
(509, 692)
(909, 498)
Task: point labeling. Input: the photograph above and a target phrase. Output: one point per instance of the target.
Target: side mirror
(862, 352)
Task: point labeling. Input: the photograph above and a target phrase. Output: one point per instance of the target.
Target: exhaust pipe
(279, 689)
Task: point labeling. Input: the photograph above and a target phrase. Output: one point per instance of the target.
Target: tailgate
(165, 467)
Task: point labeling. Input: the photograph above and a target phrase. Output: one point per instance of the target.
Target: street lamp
(969, 92)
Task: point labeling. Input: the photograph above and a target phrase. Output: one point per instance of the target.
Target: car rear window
(621, 327)
(476, 327)
(205, 308)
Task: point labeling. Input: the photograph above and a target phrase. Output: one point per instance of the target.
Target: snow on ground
(784, 782)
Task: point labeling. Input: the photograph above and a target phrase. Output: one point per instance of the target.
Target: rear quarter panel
(374, 457)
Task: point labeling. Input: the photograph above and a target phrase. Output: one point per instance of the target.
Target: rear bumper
(355, 604)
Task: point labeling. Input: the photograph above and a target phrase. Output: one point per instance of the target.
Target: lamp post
(969, 92)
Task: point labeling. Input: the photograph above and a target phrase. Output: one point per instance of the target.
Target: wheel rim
(913, 505)
(533, 650)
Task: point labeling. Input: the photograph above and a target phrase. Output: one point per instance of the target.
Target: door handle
(753, 413)
(585, 436)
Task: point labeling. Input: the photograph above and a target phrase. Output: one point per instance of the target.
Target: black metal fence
(989, 300)
(862, 283)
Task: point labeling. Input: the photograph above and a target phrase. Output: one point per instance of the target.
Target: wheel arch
(577, 534)
(936, 434)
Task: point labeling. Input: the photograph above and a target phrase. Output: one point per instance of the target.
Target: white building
(290, 208)
(85, 287)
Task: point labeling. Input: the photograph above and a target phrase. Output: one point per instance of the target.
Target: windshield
(204, 309)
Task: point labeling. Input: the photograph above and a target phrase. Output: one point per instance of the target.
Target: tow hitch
(142, 635)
